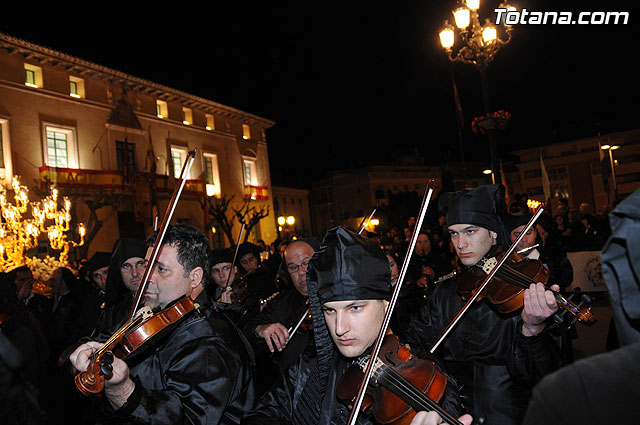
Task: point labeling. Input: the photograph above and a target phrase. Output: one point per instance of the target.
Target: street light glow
(447, 36)
(462, 17)
(473, 4)
(489, 34)
(281, 220)
(290, 220)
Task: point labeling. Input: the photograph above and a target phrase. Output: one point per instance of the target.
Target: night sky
(348, 83)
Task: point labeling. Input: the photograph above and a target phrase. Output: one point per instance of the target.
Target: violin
(128, 339)
(503, 285)
(142, 324)
(506, 290)
(401, 385)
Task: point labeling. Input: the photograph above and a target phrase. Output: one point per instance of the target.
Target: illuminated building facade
(95, 131)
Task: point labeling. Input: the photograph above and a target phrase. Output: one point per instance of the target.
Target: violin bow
(366, 220)
(235, 254)
(426, 198)
(486, 281)
(177, 191)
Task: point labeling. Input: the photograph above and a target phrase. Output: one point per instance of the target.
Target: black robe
(298, 391)
(198, 373)
(486, 352)
(599, 390)
(280, 310)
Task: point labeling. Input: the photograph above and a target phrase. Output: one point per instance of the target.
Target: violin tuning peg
(558, 319)
(107, 358)
(106, 369)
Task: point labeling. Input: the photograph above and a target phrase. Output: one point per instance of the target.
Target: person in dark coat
(198, 371)
(228, 293)
(256, 274)
(534, 247)
(25, 333)
(40, 305)
(602, 389)
(496, 358)
(270, 330)
(126, 267)
(349, 290)
(96, 271)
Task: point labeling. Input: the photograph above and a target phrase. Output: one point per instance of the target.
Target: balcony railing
(113, 180)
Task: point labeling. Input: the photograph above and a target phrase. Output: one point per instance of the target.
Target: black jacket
(280, 310)
(298, 392)
(486, 353)
(198, 374)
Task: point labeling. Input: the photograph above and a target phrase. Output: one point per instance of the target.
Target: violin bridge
(489, 264)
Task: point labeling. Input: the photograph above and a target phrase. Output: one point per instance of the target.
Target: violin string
(406, 388)
(107, 345)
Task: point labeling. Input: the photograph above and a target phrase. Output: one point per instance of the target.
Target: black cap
(513, 221)
(98, 260)
(248, 248)
(221, 255)
(482, 206)
(348, 266)
(126, 248)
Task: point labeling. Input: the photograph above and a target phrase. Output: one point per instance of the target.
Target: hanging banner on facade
(107, 180)
(587, 271)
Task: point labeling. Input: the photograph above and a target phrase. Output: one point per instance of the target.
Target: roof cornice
(84, 68)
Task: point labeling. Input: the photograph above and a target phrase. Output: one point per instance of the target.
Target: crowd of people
(267, 334)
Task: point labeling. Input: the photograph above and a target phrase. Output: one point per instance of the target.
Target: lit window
(162, 109)
(1, 146)
(59, 145)
(250, 175)
(211, 174)
(178, 157)
(210, 124)
(6, 169)
(187, 118)
(57, 149)
(246, 132)
(30, 78)
(76, 87)
(32, 75)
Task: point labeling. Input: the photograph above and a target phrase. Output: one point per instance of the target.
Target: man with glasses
(270, 330)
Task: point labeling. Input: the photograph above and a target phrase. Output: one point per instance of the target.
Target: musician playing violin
(270, 330)
(496, 358)
(230, 295)
(349, 288)
(196, 372)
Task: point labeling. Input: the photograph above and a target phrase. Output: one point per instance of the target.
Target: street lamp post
(479, 46)
(611, 148)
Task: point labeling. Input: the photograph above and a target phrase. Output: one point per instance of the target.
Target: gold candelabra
(19, 234)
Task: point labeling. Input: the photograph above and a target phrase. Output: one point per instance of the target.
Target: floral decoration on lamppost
(492, 121)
